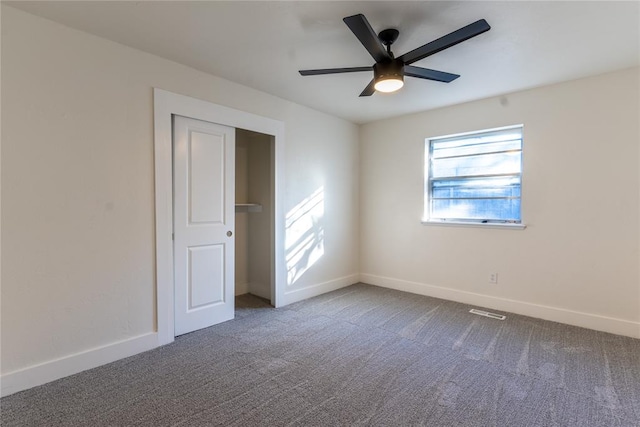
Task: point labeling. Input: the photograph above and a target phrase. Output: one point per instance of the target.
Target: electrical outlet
(493, 278)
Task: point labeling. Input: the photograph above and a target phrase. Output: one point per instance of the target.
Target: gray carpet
(362, 355)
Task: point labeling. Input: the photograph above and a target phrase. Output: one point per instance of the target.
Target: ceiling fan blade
(333, 71)
(370, 89)
(444, 42)
(426, 73)
(359, 25)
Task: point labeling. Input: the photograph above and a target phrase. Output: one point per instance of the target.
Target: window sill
(474, 224)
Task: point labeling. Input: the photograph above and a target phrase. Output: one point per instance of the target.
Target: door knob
(229, 233)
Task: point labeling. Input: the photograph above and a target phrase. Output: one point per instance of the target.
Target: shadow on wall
(304, 235)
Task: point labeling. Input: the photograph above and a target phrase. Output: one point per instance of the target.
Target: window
(474, 177)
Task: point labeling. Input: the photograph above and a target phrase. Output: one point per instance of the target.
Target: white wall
(577, 260)
(78, 192)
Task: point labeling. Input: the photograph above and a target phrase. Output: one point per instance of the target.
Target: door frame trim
(166, 105)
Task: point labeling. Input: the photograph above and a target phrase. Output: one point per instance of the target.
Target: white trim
(167, 104)
(296, 295)
(505, 225)
(556, 314)
(473, 132)
(32, 376)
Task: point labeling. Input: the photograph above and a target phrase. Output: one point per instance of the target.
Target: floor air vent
(487, 314)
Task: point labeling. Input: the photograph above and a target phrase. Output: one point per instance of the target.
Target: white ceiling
(263, 44)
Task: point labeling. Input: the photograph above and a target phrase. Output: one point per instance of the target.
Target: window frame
(427, 189)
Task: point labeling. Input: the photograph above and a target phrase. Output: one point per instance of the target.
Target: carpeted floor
(362, 355)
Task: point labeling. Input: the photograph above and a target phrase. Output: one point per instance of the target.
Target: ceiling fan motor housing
(393, 69)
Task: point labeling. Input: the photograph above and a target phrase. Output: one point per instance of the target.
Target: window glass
(474, 177)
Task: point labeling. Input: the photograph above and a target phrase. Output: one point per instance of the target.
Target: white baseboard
(561, 315)
(13, 382)
(36, 375)
(318, 289)
(32, 376)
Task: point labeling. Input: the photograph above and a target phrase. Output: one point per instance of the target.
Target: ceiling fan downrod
(387, 37)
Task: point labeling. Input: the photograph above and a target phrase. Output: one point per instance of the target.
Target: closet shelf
(248, 207)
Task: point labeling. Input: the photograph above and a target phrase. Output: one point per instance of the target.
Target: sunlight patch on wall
(304, 235)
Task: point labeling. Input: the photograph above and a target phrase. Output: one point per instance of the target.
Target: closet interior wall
(254, 230)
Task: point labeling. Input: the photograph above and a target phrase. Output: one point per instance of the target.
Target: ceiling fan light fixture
(389, 85)
(388, 76)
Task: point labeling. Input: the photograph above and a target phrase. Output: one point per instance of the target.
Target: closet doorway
(167, 105)
(254, 222)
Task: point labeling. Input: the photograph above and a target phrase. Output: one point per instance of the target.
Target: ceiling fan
(389, 71)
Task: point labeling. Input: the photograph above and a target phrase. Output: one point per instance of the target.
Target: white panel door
(203, 223)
